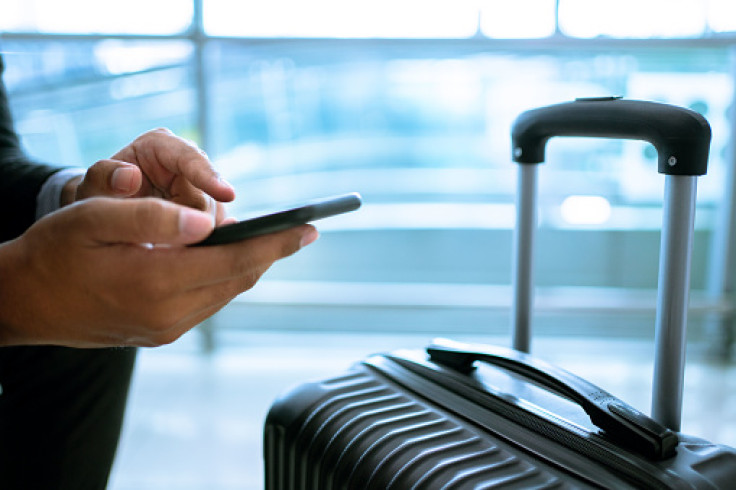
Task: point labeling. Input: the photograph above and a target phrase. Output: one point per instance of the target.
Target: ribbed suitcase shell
(361, 431)
(367, 429)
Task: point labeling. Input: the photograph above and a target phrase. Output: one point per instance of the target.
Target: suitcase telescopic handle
(681, 136)
(682, 139)
(618, 420)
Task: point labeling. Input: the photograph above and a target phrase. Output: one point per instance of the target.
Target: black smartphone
(282, 220)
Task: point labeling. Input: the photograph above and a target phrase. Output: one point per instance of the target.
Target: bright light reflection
(722, 15)
(633, 18)
(520, 19)
(585, 210)
(338, 18)
(379, 18)
(95, 16)
(128, 57)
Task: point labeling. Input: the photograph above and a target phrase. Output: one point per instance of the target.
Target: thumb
(145, 220)
(110, 178)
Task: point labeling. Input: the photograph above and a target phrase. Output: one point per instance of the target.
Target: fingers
(242, 262)
(110, 178)
(247, 260)
(163, 156)
(139, 221)
(220, 213)
(217, 209)
(100, 287)
(230, 270)
(159, 164)
(150, 220)
(187, 285)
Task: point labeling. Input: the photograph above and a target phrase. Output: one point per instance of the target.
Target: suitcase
(461, 416)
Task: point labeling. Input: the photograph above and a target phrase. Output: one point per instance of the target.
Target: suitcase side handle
(618, 419)
(681, 136)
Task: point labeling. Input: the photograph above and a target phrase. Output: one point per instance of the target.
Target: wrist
(59, 190)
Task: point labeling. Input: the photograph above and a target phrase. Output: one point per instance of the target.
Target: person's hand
(156, 164)
(82, 276)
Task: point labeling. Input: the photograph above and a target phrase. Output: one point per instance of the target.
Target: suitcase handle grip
(619, 420)
(681, 136)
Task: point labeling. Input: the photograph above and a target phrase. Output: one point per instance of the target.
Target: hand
(80, 277)
(156, 164)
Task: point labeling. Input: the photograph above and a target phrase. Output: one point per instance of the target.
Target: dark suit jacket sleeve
(20, 179)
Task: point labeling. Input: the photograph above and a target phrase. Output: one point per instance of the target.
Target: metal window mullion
(722, 257)
(198, 38)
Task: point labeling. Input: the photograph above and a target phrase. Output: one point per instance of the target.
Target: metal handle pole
(523, 247)
(672, 299)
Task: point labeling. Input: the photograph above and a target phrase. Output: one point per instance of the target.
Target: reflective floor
(194, 420)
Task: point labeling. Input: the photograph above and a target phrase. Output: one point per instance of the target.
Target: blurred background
(410, 103)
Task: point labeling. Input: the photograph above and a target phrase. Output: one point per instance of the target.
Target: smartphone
(270, 223)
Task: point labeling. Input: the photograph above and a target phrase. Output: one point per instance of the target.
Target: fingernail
(225, 183)
(309, 237)
(122, 179)
(194, 224)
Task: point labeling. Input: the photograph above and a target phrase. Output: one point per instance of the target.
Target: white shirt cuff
(49, 198)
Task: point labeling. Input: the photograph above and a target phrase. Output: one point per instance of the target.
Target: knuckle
(95, 170)
(249, 279)
(150, 213)
(160, 131)
(86, 212)
(94, 180)
(288, 245)
(246, 281)
(242, 266)
(151, 136)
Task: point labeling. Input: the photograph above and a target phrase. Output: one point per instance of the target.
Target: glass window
(339, 18)
(426, 140)
(77, 102)
(518, 19)
(94, 16)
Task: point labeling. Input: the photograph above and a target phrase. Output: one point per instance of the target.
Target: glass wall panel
(77, 102)
(424, 135)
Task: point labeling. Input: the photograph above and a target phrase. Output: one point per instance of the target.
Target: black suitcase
(477, 416)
